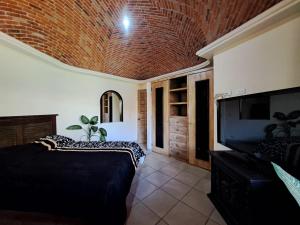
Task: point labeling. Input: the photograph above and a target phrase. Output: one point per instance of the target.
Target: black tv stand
(246, 191)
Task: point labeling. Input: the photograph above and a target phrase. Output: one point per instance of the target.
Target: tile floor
(167, 191)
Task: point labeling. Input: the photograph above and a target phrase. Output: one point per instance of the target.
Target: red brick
(164, 34)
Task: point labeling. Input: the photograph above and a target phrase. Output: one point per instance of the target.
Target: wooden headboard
(17, 130)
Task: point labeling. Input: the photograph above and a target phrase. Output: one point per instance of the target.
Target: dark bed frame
(17, 130)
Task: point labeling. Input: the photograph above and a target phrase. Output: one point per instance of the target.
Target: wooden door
(142, 117)
(192, 80)
(160, 117)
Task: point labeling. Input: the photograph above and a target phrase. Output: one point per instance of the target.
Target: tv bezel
(280, 91)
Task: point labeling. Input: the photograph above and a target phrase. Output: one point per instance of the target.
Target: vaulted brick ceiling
(163, 35)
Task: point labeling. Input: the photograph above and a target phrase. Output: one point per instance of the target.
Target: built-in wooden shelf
(178, 83)
(178, 89)
(178, 116)
(178, 103)
(178, 96)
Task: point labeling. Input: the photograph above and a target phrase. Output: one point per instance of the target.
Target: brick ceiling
(163, 35)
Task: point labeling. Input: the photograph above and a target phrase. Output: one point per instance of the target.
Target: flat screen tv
(260, 122)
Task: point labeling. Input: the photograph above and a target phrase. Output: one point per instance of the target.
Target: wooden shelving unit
(178, 103)
(178, 120)
(178, 89)
(178, 96)
(180, 123)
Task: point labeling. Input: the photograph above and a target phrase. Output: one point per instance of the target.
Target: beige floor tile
(160, 202)
(199, 201)
(142, 189)
(203, 185)
(150, 157)
(202, 173)
(141, 215)
(181, 214)
(179, 164)
(211, 222)
(215, 216)
(154, 154)
(155, 163)
(136, 178)
(163, 158)
(162, 222)
(158, 178)
(187, 178)
(145, 171)
(176, 188)
(170, 170)
(148, 204)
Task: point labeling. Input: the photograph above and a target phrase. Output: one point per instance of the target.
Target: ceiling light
(126, 23)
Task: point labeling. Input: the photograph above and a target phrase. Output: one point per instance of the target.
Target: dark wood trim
(16, 130)
(12, 120)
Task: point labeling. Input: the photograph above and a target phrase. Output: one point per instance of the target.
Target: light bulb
(126, 22)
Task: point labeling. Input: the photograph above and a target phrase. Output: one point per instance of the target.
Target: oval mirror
(111, 107)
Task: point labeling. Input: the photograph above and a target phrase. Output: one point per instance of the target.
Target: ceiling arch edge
(28, 50)
(286, 9)
(187, 71)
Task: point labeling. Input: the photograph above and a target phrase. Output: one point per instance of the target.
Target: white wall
(270, 61)
(30, 86)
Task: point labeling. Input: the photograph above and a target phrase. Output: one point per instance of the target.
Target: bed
(91, 182)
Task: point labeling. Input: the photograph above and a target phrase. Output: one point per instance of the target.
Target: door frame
(165, 86)
(140, 91)
(207, 75)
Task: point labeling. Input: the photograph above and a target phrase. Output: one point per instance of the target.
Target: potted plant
(284, 125)
(90, 128)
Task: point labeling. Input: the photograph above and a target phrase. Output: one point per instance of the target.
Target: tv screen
(255, 108)
(260, 122)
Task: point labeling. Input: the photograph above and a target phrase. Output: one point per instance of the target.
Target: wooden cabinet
(178, 96)
(246, 192)
(192, 116)
(160, 115)
(178, 121)
(178, 137)
(180, 127)
(142, 116)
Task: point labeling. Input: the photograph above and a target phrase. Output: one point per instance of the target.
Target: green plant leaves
(102, 138)
(94, 128)
(90, 128)
(84, 119)
(74, 127)
(102, 132)
(94, 121)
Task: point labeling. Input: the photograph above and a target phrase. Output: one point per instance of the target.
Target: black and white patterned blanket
(133, 146)
(61, 143)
